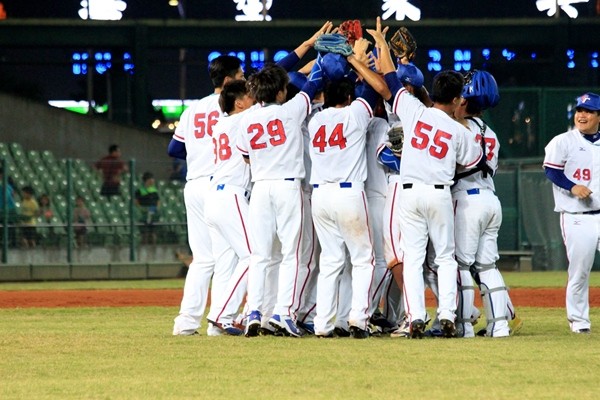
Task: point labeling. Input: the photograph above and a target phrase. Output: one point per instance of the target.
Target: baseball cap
(297, 79)
(589, 101)
(410, 74)
(335, 66)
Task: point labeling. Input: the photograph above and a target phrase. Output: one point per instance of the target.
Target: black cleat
(448, 328)
(341, 332)
(417, 329)
(358, 333)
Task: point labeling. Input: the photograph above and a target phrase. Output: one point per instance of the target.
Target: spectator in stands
(111, 167)
(30, 210)
(11, 211)
(81, 218)
(148, 202)
(45, 208)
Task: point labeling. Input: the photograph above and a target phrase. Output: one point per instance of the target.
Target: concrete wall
(37, 126)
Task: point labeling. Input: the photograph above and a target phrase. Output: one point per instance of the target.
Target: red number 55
(439, 147)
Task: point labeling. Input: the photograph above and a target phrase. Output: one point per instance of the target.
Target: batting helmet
(335, 66)
(481, 88)
(410, 74)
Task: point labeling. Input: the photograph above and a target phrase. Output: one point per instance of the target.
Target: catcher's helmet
(481, 87)
(335, 66)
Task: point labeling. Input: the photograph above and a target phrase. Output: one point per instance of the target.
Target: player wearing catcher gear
(226, 211)
(478, 216)
(433, 144)
(193, 142)
(571, 164)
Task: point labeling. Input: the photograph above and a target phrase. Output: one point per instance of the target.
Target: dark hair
(28, 189)
(264, 85)
(222, 67)
(231, 92)
(147, 175)
(337, 92)
(473, 107)
(112, 148)
(447, 85)
(292, 90)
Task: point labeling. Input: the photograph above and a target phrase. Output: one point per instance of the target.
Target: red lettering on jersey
(439, 147)
(582, 174)
(336, 139)
(274, 129)
(490, 144)
(222, 149)
(204, 124)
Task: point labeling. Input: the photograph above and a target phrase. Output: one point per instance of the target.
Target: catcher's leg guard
(466, 302)
(494, 294)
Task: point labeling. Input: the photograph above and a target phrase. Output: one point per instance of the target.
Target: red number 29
(274, 129)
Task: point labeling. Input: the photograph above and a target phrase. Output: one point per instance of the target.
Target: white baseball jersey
(272, 138)
(230, 167)
(579, 158)
(338, 137)
(339, 208)
(433, 143)
(195, 131)
(376, 183)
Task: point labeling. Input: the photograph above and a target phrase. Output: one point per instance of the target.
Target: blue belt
(342, 185)
(473, 191)
(289, 179)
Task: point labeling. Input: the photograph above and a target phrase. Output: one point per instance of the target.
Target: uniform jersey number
(583, 174)
(439, 147)
(204, 124)
(222, 148)
(335, 139)
(490, 146)
(274, 129)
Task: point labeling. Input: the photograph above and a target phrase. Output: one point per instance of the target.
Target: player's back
(230, 167)
(492, 144)
(272, 138)
(195, 130)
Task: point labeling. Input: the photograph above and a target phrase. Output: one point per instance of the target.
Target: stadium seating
(110, 220)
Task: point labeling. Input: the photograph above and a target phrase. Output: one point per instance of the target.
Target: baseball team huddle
(324, 200)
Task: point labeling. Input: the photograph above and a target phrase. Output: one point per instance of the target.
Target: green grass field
(129, 353)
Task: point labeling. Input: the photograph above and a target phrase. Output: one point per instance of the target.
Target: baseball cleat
(434, 332)
(515, 325)
(328, 335)
(341, 332)
(307, 327)
(417, 329)
(403, 330)
(226, 328)
(189, 332)
(285, 325)
(585, 331)
(448, 328)
(358, 333)
(253, 324)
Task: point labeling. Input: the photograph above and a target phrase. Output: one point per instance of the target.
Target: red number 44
(336, 138)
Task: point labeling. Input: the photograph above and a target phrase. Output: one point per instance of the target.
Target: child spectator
(147, 202)
(81, 218)
(45, 209)
(29, 213)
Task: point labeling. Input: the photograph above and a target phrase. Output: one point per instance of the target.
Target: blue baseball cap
(410, 74)
(297, 79)
(335, 66)
(589, 101)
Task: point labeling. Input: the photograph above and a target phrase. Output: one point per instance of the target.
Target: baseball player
(193, 142)
(272, 142)
(433, 144)
(339, 205)
(226, 211)
(478, 215)
(571, 164)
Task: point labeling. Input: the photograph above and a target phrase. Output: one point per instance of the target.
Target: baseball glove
(396, 138)
(333, 43)
(403, 44)
(352, 30)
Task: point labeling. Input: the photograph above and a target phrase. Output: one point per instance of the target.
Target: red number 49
(583, 174)
(337, 138)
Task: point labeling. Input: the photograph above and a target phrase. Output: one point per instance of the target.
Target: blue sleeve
(558, 177)
(369, 94)
(387, 158)
(288, 62)
(393, 84)
(177, 149)
(310, 88)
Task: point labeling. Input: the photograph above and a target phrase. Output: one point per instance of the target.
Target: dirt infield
(523, 297)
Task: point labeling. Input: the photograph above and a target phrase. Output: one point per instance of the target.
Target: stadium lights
(173, 3)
